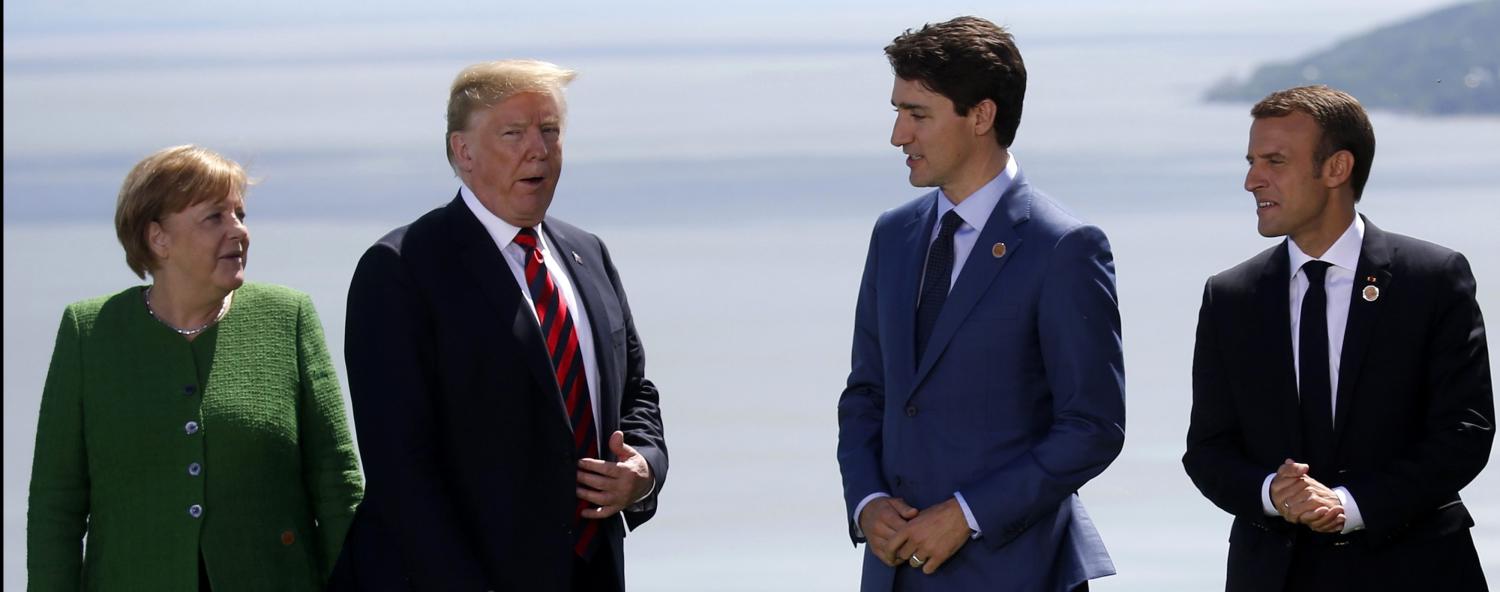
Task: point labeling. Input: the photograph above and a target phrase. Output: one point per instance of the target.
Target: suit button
(911, 410)
(189, 390)
(190, 427)
(194, 469)
(287, 538)
(195, 511)
(898, 480)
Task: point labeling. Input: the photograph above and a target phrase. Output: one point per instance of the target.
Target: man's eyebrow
(907, 106)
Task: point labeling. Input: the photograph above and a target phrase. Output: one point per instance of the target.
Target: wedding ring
(915, 562)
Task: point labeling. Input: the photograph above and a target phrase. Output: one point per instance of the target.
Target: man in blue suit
(987, 382)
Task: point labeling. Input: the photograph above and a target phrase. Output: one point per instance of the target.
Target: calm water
(742, 268)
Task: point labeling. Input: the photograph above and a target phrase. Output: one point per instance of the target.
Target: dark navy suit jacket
(468, 452)
(1413, 424)
(1019, 400)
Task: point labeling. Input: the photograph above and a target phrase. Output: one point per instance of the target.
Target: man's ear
(984, 117)
(460, 147)
(1338, 168)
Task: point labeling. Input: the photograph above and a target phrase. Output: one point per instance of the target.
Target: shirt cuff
(968, 515)
(1265, 497)
(636, 505)
(859, 509)
(1352, 519)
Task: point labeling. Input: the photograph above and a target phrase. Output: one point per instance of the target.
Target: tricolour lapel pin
(998, 250)
(1371, 293)
(577, 259)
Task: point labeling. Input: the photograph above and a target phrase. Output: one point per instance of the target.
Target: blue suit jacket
(1018, 401)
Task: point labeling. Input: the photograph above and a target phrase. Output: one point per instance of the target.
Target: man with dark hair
(1341, 380)
(987, 382)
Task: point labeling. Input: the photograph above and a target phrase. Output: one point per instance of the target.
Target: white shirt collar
(976, 209)
(502, 232)
(1344, 253)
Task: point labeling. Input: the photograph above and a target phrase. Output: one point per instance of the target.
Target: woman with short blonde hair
(192, 428)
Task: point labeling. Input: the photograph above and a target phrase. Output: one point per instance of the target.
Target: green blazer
(233, 445)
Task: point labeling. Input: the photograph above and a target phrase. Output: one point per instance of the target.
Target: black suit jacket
(468, 454)
(1414, 412)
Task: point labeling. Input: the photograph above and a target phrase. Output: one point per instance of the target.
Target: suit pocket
(996, 311)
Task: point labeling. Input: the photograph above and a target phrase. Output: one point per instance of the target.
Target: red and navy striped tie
(567, 360)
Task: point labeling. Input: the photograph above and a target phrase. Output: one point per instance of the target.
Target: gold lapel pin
(577, 259)
(1371, 293)
(998, 250)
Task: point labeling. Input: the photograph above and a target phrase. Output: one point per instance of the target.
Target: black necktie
(1313, 376)
(936, 281)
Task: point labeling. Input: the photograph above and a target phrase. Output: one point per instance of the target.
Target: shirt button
(911, 410)
(189, 390)
(191, 428)
(195, 511)
(194, 469)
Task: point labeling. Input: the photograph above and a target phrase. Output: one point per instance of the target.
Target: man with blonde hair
(508, 431)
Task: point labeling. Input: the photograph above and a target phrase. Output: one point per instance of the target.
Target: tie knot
(1316, 270)
(951, 220)
(526, 238)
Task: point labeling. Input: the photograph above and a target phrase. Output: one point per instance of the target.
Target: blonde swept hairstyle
(166, 182)
(486, 84)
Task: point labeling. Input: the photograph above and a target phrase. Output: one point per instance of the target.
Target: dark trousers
(596, 574)
(1448, 563)
(203, 585)
(903, 571)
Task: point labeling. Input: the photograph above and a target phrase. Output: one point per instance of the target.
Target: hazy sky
(97, 77)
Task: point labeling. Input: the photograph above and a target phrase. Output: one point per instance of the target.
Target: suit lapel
(1275, 340)
(487, 267)
(909, 275)
(979, 270)
(588, 277)
(1374, 262)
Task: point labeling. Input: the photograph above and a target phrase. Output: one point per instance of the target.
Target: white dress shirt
(1338, 282)
(975, 211)
(515, 257)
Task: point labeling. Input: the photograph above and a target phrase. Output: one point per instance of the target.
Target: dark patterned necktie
(1313, 373)
(936, 281)
(567, 361)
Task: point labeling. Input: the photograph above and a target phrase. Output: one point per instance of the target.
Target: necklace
(223, 308)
